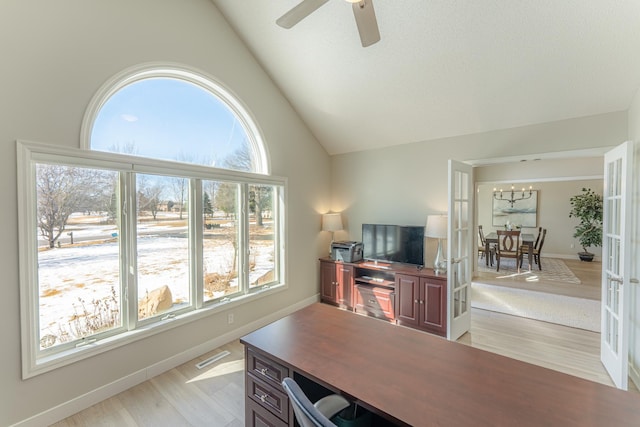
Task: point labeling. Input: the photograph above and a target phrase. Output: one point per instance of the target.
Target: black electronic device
(393, 243)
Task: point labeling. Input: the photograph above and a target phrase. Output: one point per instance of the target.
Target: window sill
(70, 356)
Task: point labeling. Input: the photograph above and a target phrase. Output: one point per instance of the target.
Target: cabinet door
(328, 282)
(407, 299)
(433, 314)
(344, 290)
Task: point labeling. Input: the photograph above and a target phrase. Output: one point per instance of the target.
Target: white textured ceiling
(445, 67)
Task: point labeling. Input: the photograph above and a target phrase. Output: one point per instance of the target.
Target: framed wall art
(518, 213)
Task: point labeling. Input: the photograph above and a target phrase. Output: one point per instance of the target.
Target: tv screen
(393, 243)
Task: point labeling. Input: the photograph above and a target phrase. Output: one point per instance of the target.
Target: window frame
(36, 361)
(189, 74)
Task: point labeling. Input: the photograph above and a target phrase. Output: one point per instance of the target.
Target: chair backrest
(508, 240)
(481, 235)
(541, 242)
(535, 246)
(306, 414)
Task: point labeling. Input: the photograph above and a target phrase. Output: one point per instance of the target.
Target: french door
(459, 249)
(616, 263)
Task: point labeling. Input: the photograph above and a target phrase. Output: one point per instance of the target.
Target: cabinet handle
(421, 302)
(416, 301)
(263, 371)
(372, 301)
(263, 398)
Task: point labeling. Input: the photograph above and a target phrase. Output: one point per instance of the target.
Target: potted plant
(587, 207)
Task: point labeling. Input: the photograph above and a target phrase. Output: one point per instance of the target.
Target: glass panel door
(614, 346)
(459, 249)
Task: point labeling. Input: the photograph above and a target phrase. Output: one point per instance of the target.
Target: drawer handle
(263, 398)
(263, 371)
(372, 301)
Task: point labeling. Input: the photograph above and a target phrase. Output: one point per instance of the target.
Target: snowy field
(71, 277)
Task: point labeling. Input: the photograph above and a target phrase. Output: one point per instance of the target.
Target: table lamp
(331, 222)
(437, 229)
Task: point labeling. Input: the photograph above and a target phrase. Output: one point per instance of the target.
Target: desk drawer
(257, 416)
(266, 369)
(273, 399)
(375, 301)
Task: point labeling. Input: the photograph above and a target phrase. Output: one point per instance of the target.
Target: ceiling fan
(362, 11)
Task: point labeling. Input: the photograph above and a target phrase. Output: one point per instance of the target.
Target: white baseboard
(565, 256)
(86, 400)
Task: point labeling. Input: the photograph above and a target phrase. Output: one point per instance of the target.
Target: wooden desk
(422, 380)
(525, 239)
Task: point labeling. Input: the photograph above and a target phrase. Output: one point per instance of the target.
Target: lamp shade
(436, 226)
(331, 222)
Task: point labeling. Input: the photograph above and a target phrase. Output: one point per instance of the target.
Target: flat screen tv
(393, 243)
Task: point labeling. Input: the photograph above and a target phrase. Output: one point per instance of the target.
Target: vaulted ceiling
(445, 67)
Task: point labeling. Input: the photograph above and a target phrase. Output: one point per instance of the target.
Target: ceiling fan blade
(366, 21)
(299, 12)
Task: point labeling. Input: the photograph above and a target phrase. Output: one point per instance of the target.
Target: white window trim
(27, 152)
(181, 72)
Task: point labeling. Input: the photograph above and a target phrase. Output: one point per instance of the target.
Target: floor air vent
(212, 359)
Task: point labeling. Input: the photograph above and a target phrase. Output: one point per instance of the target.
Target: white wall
(404, 184)
(634, 329)
(55, 55)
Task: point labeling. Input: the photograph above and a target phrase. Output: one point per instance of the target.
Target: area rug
(553, 269)
(559, 309)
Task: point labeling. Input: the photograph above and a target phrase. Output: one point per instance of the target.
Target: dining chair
(309, 414)
(537, 250)
(508, 247)
(524, 248)
(482, 247)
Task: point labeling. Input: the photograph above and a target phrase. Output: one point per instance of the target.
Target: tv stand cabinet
(397, 293)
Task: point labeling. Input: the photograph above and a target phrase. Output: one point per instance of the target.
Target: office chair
(313, 415)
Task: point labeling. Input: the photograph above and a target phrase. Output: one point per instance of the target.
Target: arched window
(132, 230)
(172, 113)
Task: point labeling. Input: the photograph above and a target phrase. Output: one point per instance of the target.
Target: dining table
(527, 239)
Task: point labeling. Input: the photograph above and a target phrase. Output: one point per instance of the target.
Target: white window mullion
(128, 244)
(196, 238)
(243, 238)
(278, 227)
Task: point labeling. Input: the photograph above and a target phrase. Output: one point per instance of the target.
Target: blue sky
(168, 119)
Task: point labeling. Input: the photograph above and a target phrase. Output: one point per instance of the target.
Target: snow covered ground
(71, 277)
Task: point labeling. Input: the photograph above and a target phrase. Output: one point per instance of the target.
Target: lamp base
(440, 263)
(331, 246)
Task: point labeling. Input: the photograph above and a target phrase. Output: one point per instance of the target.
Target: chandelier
(513, 196)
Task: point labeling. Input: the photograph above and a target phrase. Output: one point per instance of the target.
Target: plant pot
(586, 256)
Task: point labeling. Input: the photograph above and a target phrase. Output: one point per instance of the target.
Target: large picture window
(117, 241)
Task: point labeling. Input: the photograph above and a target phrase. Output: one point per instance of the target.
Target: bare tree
(260, 199)
(149, 195)
(63, 190)
(238, 160)
(226, 198)
(179, 187)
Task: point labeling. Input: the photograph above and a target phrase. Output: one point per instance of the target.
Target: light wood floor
(214, 396)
